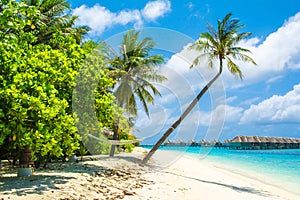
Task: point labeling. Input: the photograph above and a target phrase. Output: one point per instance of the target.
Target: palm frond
(233, 68)
(202, 56)
(143, 100)
(137, 67)
(220, 44)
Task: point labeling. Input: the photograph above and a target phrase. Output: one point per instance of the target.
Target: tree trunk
(115, 137)
(181, 118)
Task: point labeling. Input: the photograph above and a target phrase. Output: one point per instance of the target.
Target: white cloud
(99, 18)
(156, 9)
(277, 109)
(233, 113)
(125, 17)
(248, 102)
(231, 99)
(196, 77)
(274, 79)
(278, 52)
(226, 113)
(221, 114)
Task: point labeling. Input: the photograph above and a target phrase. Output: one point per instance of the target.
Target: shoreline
(260, 177)
(285, 180)
(121, 177)
(223, 182)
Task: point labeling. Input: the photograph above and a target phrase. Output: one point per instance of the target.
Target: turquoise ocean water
(280, 168)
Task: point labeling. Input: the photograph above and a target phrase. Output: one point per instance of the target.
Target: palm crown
(221, 44)
(54, 17)
(135, 72)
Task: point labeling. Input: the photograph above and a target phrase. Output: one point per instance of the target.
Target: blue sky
(267, 100)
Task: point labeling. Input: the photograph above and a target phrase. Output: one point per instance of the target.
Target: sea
(279, 168)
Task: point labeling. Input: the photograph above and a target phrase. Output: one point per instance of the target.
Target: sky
(266, 102)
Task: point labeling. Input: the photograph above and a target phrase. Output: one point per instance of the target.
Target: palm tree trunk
(115, 137)
(181, 118)
(113, 147)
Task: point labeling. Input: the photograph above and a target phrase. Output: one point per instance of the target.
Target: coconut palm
(55, 17)
(215, 45)
(135, 71)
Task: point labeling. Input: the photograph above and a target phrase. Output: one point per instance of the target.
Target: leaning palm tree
(135, 72)
(55, 17)
(215, 45)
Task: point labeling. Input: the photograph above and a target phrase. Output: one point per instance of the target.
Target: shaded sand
(100, 177)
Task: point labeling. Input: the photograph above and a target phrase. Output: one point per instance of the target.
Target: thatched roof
(264, 139)
(236, 139)
(180, 141)
(203, 142)
(226, 141)
(274, 140)
(191, 141)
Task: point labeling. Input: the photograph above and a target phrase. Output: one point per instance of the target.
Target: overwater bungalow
(180, 142)
(203, 143)
(192, 143)
(262, 142)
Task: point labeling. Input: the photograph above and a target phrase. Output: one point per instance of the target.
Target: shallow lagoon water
(280, 168)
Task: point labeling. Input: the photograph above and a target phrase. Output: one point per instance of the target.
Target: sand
(121, 177)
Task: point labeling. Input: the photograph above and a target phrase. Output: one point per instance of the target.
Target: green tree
(216, 45)
(15, 17)
(36, 87)
(55, 17)
(33, 79)
(135, 71)
(94, 104)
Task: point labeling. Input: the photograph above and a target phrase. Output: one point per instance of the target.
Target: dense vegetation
(41, 54)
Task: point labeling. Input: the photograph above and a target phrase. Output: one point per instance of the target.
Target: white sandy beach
(121, 177)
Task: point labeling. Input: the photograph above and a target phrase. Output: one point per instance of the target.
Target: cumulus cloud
(99, 18)
(277, 109)
(156, 9)
(278, 52)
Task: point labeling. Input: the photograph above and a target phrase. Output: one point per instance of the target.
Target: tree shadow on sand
(57, 173)
(34, 184)
(47, 179)
(233, 187)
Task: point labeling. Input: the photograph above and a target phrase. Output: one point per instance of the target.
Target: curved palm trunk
(181, 118)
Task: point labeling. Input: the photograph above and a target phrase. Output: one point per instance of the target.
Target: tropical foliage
(55, 17)
(135, 71)
(220, 45)
(37, 81)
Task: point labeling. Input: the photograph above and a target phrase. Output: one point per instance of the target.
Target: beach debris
(88, 179)
(100, 182)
